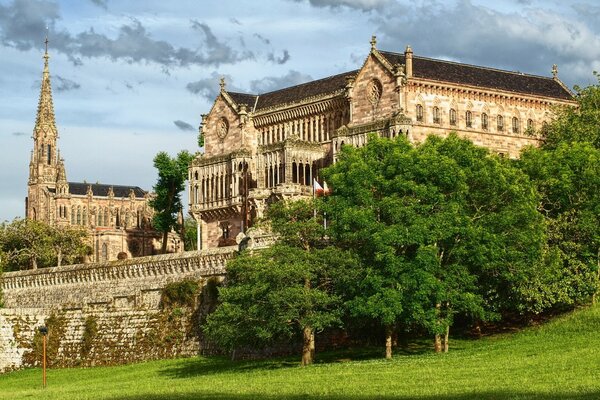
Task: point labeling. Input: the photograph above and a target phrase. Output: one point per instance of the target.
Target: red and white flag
(319, 190)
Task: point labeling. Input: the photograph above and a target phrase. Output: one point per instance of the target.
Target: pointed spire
(45, 120)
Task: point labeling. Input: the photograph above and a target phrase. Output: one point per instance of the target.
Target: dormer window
(419, 113)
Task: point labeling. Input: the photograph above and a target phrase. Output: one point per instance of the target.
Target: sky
(132, 78)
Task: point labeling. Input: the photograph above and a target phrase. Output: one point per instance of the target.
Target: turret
(408, 57)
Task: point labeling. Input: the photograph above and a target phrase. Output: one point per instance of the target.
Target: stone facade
(106, 313)
(118, 218)
(266, 147)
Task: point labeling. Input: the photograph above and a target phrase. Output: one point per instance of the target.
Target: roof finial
(554, 71)
(222, 84)
(373, 42)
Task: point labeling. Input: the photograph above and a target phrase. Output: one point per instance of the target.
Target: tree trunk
(163, 249)
(389, 331)
(312, 346)
(58, 258)
(446, 336)
(437, 344)
(595, 295)
(33, 263)
(307, 346)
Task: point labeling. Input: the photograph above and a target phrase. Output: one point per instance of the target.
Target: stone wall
(106, 313)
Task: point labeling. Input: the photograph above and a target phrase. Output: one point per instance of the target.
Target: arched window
(530, 126)
(484, 121)
(469, 119)
(106, 214)
(73, 215)
(419, 113)
(436, 115)
(515, 125)
(78, 215)
(452, 117)
(500, 123)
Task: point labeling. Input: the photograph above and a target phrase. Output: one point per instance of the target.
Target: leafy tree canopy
(172, 174)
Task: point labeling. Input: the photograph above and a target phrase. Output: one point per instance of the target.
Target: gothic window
(106, 214)
(78, 215)
(500, 123)
(515, 125)
(374, 91)
(73, 214)
(469, 119)
(118, 218)
(436, 115)
(530, 124)
(138, 218)
(222, 127)
(452, 117)
(49, 154)
(484, 121)
(419, 113)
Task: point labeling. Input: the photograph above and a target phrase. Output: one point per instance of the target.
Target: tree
(172, 174)
(283, 292)
(568, 179)
(190, 234)
(32, 244)
(577, 124)
(440, 227)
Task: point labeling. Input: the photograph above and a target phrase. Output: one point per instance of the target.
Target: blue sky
(132, 78)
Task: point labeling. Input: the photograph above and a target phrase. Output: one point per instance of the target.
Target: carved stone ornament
(222, 128)
(374, 92)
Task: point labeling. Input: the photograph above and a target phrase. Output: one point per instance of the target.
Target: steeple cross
(46, 41)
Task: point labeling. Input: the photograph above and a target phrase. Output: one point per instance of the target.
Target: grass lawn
(559, 360)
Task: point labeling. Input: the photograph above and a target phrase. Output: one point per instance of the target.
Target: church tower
(45, 163)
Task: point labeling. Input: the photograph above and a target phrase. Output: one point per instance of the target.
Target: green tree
(441, 228)
(32, 244)
(190, 235)
(172, 174)
(568, 179)
(284, 292)
(577, 124)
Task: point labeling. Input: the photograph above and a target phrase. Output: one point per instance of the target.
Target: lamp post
(44, 332)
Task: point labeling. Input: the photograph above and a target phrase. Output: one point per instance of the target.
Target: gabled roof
(472, 75)
(80, 189)
(293, 94)
(425, 68)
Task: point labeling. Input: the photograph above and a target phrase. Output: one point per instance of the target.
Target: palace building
(261, 148)
(118, 218)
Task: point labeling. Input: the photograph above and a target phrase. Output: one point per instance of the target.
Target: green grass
(559, 360)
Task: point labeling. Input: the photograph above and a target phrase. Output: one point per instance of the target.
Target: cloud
(23, 25)
(271, 83)
(18, 133)
(363, 5)
(209, 88)
(530, 40)
(63, 84)
(279, 60)
(101, 3)
(235, 21)
(262, 38)
(184, 126)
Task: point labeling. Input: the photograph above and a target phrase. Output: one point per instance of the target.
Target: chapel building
(117, 218)
(260, 148)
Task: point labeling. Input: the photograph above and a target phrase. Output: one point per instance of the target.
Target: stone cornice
(201, 161)
(206, 262)
(305, 107)
(292, 142)
(486, 92)
(378, 125)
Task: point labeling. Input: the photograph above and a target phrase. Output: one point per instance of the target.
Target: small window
(484, 121)
(500, 123)
(469, 119)
(419, 113)
(530, 126)
(436, 115)
(452, 117)
(515, 125)
(49, 154)
(225, 230)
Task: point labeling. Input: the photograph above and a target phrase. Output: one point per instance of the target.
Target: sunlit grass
(559, 360)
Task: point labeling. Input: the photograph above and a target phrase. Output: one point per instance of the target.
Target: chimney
(408, 57)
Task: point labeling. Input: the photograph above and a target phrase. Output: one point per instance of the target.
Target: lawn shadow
(489, 395)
